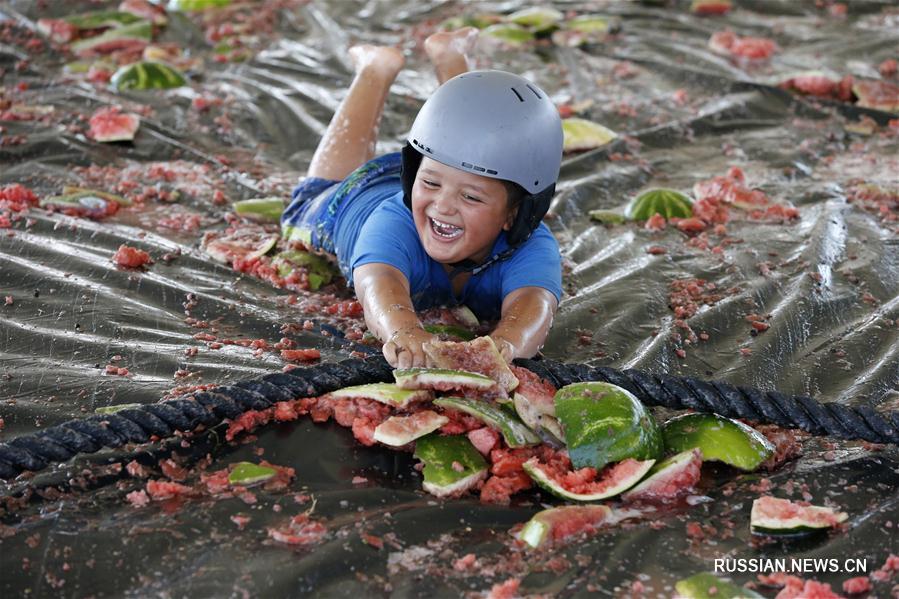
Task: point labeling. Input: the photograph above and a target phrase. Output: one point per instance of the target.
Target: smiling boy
(456, 218)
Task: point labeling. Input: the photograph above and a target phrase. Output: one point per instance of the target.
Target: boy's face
(458, 215)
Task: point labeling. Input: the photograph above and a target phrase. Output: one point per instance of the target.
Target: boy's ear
(510, 219)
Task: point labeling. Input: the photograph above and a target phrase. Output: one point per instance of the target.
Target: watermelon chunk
(110, 124)
(397, 431)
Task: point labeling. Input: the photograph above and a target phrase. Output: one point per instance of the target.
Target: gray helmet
(495, 124)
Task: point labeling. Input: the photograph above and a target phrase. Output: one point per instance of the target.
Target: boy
(455, 218)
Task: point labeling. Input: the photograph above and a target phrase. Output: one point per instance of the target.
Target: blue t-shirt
(381, 230)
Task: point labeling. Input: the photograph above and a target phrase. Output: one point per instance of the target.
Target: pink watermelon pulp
(110, 124)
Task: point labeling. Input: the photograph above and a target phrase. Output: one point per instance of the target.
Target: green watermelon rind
(589, 24)
(792, 526)
(450, 330)
(146, 75)
(248, 473)
(101, 18)
(540, 421)
(534, 469)
(417, 378)
(139, 30)
(260, 209)
(440, 454)
(669, 203)
(537, 19)
(425, 428)
(720, 439)
(699, 585)
(319, 270)
(446, 354)
(536, 531)
(71, 189)
(581, 134)
(659, 471)
(69, 199)
(514, 431)
(386, 393)
(195, 5)
(116, 408)
(604, 423)
(509, 33)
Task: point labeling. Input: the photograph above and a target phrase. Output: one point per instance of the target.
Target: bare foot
(385, 61)
(449, 50)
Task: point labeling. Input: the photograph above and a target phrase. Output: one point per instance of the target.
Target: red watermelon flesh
(110, 124)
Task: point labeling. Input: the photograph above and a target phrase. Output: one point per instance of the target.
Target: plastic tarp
(826, 283)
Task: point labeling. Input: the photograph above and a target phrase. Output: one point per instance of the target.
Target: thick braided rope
(729, 400)
(140, 424)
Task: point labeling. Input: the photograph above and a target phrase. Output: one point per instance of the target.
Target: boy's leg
(350, 138)
(449, 51)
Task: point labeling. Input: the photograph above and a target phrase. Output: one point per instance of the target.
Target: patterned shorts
(313, 211)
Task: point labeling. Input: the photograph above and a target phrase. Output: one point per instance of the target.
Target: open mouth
(445, 230)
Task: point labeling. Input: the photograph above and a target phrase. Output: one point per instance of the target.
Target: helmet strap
(411, 159)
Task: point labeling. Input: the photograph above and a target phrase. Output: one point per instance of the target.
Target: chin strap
(530, 214)
(474, 268)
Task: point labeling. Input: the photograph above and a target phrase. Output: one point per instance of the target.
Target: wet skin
(458, 216)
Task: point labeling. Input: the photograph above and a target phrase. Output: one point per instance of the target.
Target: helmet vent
(422, 146)
(536, 93)
(480, 169)
(515, 91)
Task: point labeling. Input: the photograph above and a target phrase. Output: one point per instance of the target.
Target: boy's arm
(527, 315)
(383, 291)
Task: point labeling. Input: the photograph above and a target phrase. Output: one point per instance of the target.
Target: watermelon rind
(145, 75)
(580, 134)
(513, 430)
(720, 439)
(539, 419)
(319, 270)
(456, 355)
(538, 530)
(195, 5)
(450, 330)
(122, 201)
(761, 523)
(607, 217)
(116, 408)
(479, 21)
(101, 18)
(708, 586)
(604, 423)
(589, 23)
(422, 378)
(669, 203)
(536, 471)
(417, 425)
(82, 200)
(248, 473)
(386, 393)
(139, 30)
(509, 33)
(538, 19)
(266, 210)
(452, 464)
(660, 472)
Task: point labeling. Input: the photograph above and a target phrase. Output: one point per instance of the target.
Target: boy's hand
(403, 349)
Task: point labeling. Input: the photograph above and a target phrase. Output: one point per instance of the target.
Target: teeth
(445, 230)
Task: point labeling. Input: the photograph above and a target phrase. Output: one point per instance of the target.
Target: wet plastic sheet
(829, 290)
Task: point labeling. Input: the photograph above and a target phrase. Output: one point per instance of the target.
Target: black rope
(141, 424)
